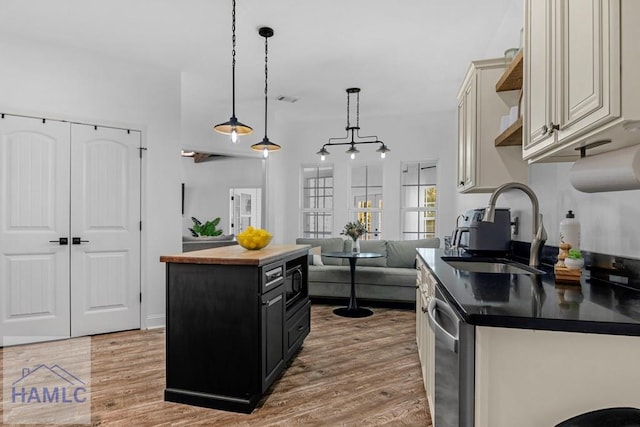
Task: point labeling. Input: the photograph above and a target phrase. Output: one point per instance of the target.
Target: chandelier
(353, 132)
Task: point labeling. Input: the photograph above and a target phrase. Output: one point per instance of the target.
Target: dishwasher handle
(450, 340)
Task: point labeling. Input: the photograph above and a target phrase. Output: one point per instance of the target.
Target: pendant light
(265, 145)
(233, 127)
(354, 132)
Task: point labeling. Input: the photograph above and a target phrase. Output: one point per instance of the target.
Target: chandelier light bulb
(322, 157)
(353, 156)
(383, 155)
(234, 135)
(265, 153)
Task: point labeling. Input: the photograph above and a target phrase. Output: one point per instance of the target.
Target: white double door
(69, 229)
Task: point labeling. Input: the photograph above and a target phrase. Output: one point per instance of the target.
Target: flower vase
(355, 246)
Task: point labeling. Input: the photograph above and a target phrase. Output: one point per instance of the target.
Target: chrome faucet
(539, 233)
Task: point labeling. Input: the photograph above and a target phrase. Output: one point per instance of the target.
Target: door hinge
(232, 198)
(140, 225)
(140, 296)
(142, 149)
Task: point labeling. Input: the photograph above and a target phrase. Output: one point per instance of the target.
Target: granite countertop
(531, 301)
(235, 255)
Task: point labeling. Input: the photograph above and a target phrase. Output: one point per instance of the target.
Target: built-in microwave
(295, 288)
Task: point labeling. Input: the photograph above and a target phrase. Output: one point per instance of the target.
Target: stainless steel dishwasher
(454, 365)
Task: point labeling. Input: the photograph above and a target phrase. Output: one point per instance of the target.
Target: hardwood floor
(350, 372)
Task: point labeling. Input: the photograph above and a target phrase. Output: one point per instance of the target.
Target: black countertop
(535, 301)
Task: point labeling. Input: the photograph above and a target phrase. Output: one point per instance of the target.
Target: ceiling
(408, 56)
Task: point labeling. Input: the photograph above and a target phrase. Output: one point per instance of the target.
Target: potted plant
(354, 230)
(574, 260)
(208, 229)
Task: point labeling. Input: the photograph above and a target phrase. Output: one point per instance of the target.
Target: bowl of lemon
(253, 238)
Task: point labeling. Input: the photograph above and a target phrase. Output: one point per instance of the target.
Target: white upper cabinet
(574, 75)
(481, 165)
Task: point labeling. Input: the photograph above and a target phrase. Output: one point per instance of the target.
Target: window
(418, 200)
(366, 198)
(317, 201)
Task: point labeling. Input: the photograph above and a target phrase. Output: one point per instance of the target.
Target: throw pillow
(315, 254)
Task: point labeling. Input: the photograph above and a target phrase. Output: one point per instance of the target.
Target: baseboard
(402, 305)
(155, 321)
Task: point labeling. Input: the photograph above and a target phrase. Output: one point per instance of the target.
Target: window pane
(374, 176)
(372, 222)
(366, 187)
(410, 196)
(316, 224)
(419, 199)
(410, 174)
(317, 194)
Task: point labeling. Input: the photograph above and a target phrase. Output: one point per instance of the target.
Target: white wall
(52, 81)
(207, 187)
(410, 138)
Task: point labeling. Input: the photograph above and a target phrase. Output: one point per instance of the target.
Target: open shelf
(512, 77)
(511, 135)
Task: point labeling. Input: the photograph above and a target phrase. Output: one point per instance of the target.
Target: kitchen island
(235, 319)
(542, 352)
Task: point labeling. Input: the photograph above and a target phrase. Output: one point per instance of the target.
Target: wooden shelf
(512, 135)
(512, 77)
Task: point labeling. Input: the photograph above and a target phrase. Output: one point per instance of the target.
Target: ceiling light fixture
(233, 127)
(265, 145)
(355, 133)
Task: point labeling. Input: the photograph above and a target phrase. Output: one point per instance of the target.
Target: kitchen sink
(490, 266)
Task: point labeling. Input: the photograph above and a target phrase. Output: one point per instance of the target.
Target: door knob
(61, 241)
(78, 240)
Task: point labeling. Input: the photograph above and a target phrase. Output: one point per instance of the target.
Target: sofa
(391, 278)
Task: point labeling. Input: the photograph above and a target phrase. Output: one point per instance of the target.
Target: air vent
(284, 98)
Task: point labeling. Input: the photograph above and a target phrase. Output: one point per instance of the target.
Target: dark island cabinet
(230, 333)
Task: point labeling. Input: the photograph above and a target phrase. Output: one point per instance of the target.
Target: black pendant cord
(233, 59)
(348, 109)
(266, 56)
(358, 110)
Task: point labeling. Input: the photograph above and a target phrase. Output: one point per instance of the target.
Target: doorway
(245, 209)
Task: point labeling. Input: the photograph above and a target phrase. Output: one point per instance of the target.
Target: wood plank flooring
(350, 372)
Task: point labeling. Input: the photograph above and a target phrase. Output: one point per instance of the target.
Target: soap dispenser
(570, 230)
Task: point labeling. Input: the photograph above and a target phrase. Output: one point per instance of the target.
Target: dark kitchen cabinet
(230, 333)
(273, 345)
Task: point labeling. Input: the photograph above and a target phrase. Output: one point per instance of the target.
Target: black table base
(352, 312)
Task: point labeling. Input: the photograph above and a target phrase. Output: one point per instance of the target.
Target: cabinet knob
(425, 309)
(553, 127)
(545, 129)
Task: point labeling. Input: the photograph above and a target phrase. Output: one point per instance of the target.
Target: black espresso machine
(484, 238)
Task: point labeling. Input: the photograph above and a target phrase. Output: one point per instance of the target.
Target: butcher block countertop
(235, 255)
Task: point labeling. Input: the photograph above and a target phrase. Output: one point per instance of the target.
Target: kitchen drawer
(272, 276)
(298, 327)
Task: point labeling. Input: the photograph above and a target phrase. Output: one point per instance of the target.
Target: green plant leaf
(575, 254)
(206, 229)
